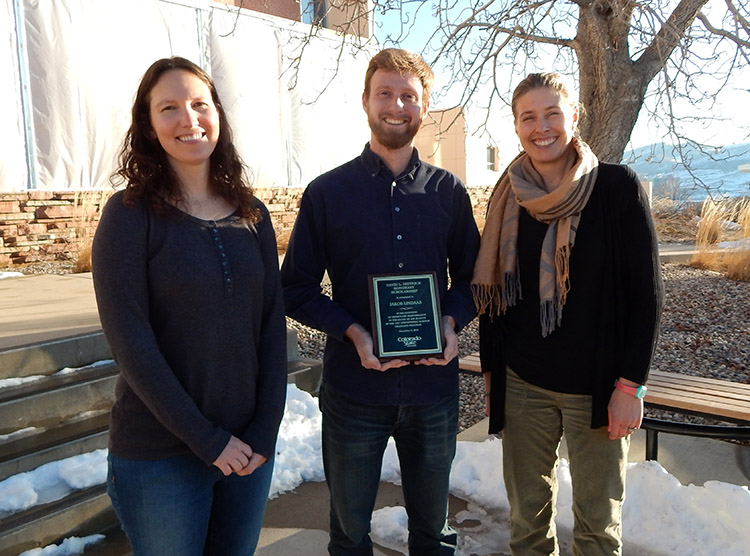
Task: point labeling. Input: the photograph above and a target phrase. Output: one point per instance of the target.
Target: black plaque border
(407, 355)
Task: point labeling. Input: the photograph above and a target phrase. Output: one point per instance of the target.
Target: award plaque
(406, 320)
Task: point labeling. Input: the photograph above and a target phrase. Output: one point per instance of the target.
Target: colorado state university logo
(409, 341)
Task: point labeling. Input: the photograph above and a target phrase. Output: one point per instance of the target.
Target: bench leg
(652, 445)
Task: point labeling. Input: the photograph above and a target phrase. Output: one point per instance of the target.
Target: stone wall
(48, 226)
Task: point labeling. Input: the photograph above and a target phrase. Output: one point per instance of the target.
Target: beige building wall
(442, 140)
(343, 16)
(349, 16)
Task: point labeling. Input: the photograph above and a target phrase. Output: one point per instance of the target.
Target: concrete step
(305, 374)
(48, 357)
(81, 513)
(115, 543)
(82, 434)
(55, 399)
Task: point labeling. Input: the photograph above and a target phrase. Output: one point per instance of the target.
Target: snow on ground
(661, 516)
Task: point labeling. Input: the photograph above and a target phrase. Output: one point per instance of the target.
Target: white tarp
(327, 123)
(86, 57)
(13, 171)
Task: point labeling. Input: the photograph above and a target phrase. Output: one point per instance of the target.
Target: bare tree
(627, 55)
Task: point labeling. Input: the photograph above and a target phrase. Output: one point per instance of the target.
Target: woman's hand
(255, 461)
(236, 457)
(625, 414)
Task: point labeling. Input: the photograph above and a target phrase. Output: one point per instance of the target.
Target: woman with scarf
(569, 292)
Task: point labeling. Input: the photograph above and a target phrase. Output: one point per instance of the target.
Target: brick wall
(48, 226)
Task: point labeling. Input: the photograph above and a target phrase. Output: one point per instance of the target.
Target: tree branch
(721, 32)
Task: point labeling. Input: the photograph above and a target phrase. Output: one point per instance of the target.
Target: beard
(392, 138)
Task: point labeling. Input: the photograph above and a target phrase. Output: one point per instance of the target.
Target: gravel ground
(705, 332)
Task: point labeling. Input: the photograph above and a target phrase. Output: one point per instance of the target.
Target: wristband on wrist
(639, 391)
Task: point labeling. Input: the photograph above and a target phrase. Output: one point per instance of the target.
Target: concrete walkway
(45, 307)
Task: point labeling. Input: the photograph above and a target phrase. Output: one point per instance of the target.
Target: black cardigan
(611, 318)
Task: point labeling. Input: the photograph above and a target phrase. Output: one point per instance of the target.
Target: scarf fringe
(486, 298)
(494, 299)
(511, 289)
(562, 266)
(550, 314)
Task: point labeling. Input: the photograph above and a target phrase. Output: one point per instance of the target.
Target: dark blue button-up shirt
(359, 219)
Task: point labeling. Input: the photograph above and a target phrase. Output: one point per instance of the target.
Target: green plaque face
(405, 311)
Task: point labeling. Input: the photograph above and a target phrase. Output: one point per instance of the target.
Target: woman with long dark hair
(186, 276)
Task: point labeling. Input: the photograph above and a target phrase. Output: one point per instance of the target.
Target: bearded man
(385, 212)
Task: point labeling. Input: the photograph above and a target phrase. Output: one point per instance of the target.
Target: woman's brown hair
(143, 163)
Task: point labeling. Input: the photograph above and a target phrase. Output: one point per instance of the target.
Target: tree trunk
(611, 90)
(612, 86)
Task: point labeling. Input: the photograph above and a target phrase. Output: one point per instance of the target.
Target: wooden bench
(705, 397)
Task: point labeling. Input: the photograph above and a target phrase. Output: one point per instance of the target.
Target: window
(313, 12)
(492, 163)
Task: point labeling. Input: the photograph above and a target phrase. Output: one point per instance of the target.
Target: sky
(731, 126)
(661, 516)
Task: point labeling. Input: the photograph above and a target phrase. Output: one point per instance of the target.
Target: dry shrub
(743, 215)
(91, 204)
(82, 261)
(282, 241)
(709, 228)
(724, 220)
(674, 222)
(737, 264)
(738, 260)
(480, 223)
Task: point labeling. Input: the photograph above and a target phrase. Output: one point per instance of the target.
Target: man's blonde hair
(403, 62)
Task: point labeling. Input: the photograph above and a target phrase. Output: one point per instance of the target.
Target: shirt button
(401, 265)
(397, 209)
(399, 237)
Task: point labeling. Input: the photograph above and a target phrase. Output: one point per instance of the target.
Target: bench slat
(707, 396)
(697, 394)
(470, 363)
(699, 404)
(734, 389)
(698, 389)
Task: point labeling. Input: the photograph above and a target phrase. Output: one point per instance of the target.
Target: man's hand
(362, 341)
(235, 457)
(451, 344)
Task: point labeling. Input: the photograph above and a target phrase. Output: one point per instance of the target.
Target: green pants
(535, 420)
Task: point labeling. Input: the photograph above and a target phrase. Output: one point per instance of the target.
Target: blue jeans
(180, 506)
(355, 436)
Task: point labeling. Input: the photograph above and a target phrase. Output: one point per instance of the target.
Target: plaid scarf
(496, 284)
